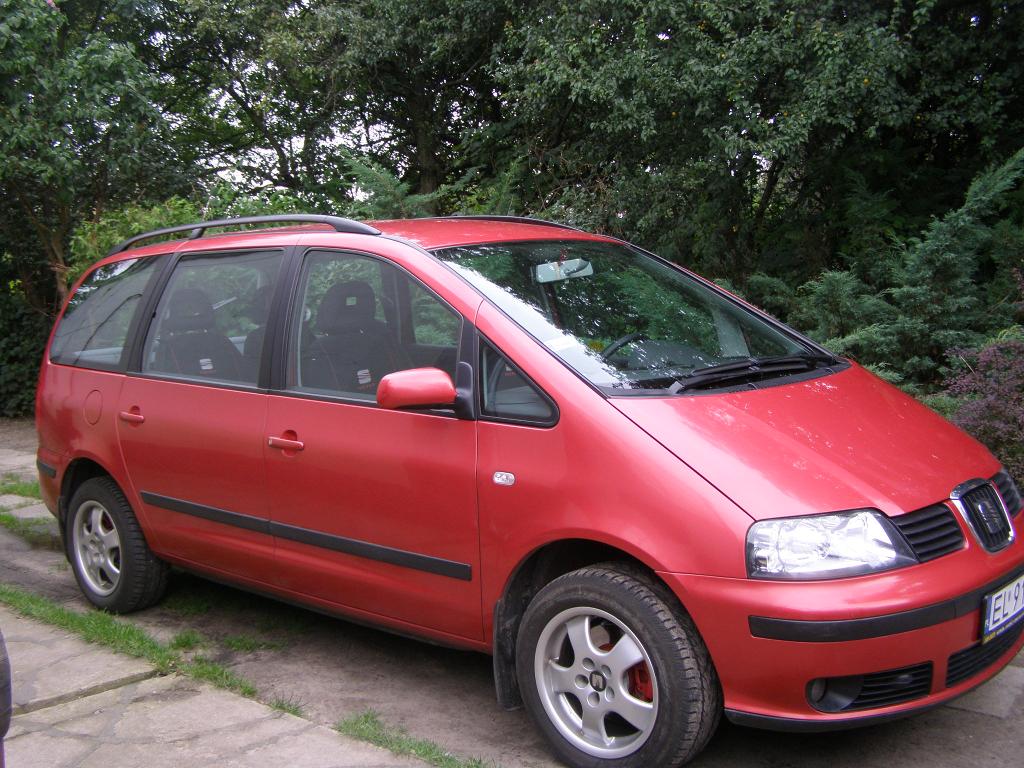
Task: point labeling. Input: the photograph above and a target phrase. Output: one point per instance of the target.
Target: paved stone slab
(50, 666)
(998, 697)
(35, 510)
(170, 722)
(10, 501)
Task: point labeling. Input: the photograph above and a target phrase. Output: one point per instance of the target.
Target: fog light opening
(834, 694)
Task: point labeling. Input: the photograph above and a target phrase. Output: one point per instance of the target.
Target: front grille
(970, 661)
(985, 513)
(1009, 491)
(883, 689)
(931, 532)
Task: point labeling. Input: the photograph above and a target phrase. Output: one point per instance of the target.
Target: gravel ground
(18, 434)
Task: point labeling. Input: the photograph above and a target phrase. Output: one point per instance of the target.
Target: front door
(373, 510)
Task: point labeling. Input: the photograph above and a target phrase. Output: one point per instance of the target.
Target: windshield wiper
(749, 367)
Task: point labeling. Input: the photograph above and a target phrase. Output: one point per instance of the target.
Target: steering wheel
(620, 342)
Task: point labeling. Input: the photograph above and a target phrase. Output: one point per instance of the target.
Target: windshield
(622, 319)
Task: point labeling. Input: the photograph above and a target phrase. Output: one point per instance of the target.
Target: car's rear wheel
(112, 562)
(614, 672)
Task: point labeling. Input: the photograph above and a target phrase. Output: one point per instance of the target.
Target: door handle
(132, 417)
(285, 444)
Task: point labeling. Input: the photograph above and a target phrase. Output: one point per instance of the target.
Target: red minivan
(650, 501)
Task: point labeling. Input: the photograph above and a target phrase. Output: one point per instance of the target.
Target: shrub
(22, 337)
(991, 392)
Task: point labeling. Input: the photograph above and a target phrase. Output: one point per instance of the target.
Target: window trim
(159, 288)
(284, 344)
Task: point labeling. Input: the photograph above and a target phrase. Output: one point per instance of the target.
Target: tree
(78, 131)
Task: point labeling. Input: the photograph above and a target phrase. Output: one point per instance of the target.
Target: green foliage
(186, 640)
(928, 299)
(215, 673)
(78, 131)
(23, 333)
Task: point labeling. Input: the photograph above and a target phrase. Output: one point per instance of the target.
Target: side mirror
(416, 388)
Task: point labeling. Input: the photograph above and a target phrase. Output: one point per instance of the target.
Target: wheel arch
(534, 571)
(78, 471)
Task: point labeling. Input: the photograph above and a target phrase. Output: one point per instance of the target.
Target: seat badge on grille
(989, 516)
(985, 513)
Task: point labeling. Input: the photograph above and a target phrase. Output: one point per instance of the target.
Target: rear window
(93, 330)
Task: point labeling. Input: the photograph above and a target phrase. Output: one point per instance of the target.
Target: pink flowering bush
(991, 394)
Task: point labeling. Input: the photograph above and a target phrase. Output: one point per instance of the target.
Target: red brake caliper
(640, 684)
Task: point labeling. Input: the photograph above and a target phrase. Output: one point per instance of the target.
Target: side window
(508, 394)
(360, 319)
(95, 324)
(212, 317)
(435, 330)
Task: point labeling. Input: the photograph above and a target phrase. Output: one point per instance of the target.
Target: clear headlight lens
(825, 546)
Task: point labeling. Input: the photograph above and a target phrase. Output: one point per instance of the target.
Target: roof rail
(511, 220)
(199, 229)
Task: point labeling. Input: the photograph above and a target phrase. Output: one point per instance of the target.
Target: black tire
(141, 577)
(685, 702)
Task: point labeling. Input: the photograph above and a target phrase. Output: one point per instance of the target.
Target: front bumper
(769, 640)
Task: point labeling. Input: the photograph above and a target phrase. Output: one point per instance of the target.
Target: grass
(367, 726)
(246, 644)
(290, 706)
(203, 668)
(35, 531)
(93, 626)
(187, 640)
(11, 484)
(118, 635)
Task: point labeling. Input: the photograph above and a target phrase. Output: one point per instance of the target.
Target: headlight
(825, 546)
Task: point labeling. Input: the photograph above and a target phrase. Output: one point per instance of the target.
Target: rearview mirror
(553, 271)
(416, 388)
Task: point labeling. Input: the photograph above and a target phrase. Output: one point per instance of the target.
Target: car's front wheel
(112, 562)
(614, 673)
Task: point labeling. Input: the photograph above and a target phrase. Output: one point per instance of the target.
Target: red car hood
(843, 441)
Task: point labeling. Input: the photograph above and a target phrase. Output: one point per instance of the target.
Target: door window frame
(158, 287)
(286, 336)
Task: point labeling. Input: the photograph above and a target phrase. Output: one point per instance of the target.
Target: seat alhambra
(651, 502)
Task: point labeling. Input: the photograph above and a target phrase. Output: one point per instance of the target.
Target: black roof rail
(199, 229)
(511, 220)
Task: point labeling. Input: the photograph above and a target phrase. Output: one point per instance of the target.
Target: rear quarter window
(94, 328)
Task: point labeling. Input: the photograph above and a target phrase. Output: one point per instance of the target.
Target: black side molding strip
(377, 552)
(795, 725)
(365, 549)
(46, 469)
(238, 520)
(874, 626)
